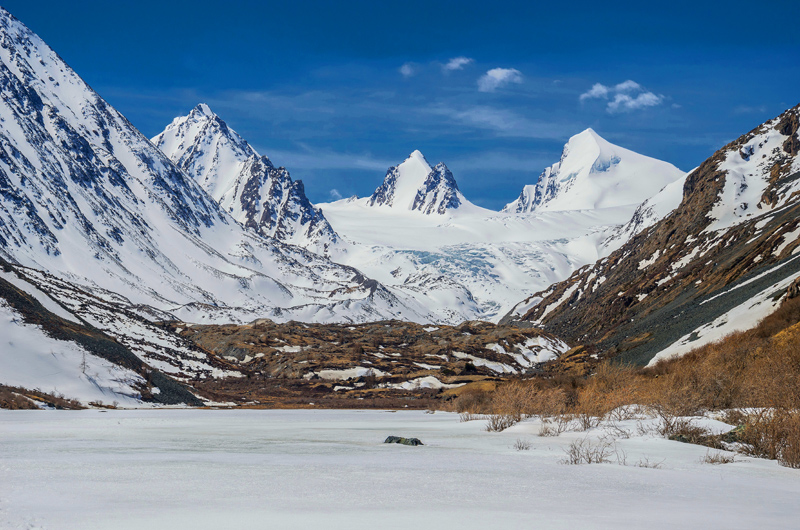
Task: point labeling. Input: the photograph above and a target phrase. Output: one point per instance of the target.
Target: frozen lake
(205, 469)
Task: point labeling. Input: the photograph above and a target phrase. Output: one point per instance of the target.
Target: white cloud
(497, 77)
(626, 102)
(628, 95)
(335, 195)
(407, 70)
(628, 86)
(597, 91)
(456, 63)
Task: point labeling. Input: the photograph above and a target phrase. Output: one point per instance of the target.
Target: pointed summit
(248, 186)
(415, 185)
(202, 110)
(594, 173)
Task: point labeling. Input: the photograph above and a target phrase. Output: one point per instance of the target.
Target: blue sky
(338, 91)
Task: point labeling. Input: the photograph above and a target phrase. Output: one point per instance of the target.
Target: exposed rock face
(438, 193)
(738, 219)
(262, 197)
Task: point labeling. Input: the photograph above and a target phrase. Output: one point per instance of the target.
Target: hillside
(718, 263)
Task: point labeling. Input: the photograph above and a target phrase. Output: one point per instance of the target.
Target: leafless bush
(468, 416)
(773, 434)
(717, 458)
(618, 432)
(669, 425)
(585, 452)
(555, 425)
(522, 445)
(501, 422)
(587, 421)
(645, 462)
(624, 413)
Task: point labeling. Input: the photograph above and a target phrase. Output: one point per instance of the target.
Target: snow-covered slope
(247, 186)
(416, 186)
(594, 173)
(30, 358)
(86, 197)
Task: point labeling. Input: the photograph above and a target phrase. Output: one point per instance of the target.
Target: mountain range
(106, 234)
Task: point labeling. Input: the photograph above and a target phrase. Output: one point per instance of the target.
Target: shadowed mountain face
(720, 260)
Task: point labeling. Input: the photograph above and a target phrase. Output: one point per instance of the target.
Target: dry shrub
(14, 401)
(610, 387)
(773, 434)
(501, 422)
(718, 458)
(522, 445)
(468, 416)
(555, 425)
(528, 398)
(473, 401)
(585, 452)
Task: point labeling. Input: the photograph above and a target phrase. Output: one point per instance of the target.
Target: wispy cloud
(335, 195)
(504, 122)
(407, 70)
(623, 97)
(747, 109)
(498, 77)
(456, 63)
(308, 157)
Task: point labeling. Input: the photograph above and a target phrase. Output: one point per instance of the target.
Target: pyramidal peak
(202, 110)
(416, 186)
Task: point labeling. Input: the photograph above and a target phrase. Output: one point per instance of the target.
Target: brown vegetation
(753, 370)
(16, 398)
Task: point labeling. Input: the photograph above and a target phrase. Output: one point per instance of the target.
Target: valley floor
(207, 469)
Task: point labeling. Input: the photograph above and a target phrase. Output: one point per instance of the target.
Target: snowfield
(205, 469)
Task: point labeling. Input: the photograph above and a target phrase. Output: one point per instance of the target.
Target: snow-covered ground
(204, 469)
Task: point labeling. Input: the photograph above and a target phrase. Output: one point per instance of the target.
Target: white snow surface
(747, 177)
(31, 359)
(288, 469)
(594, 173)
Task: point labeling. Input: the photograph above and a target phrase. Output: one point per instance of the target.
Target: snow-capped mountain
(719, 262)
(592, 174)
(87, 198)
(416, 186)
(248, 186)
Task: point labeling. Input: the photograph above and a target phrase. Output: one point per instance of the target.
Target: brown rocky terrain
(381, 364)
(679, 273)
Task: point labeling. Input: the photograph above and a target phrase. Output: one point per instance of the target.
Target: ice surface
(203, 469)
